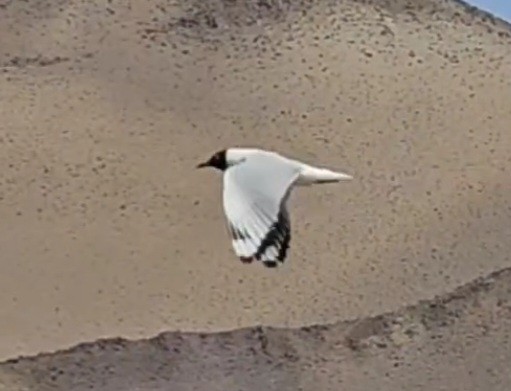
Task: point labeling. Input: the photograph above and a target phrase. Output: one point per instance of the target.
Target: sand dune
(108, 231)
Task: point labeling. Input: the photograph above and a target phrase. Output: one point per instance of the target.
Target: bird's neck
(237, 155)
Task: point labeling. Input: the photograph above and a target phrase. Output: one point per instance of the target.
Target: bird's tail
(312, 175)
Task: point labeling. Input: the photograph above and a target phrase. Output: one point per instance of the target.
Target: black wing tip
(246, 260)
(278, 236)
(267, 262)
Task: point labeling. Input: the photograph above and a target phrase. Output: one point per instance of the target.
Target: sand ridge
(458, 341)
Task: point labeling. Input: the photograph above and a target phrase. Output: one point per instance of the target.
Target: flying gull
(256, 187)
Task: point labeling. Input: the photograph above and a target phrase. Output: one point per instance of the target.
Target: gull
(256, 187)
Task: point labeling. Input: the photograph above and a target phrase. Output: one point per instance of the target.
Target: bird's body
(257, 185)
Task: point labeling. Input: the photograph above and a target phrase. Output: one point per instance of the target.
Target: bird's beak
(202, 165)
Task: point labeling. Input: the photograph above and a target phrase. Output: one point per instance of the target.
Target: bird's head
(218, 161)
(226, 158)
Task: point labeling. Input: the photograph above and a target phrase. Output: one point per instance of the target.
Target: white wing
(254, 197)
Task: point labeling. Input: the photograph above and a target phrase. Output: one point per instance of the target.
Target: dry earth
(108, 231)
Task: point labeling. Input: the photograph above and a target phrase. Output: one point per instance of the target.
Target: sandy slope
(457, 342)
(106, 106)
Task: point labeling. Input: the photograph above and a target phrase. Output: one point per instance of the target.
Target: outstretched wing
(255, 195)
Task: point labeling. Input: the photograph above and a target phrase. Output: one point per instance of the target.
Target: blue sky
(500, 8)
